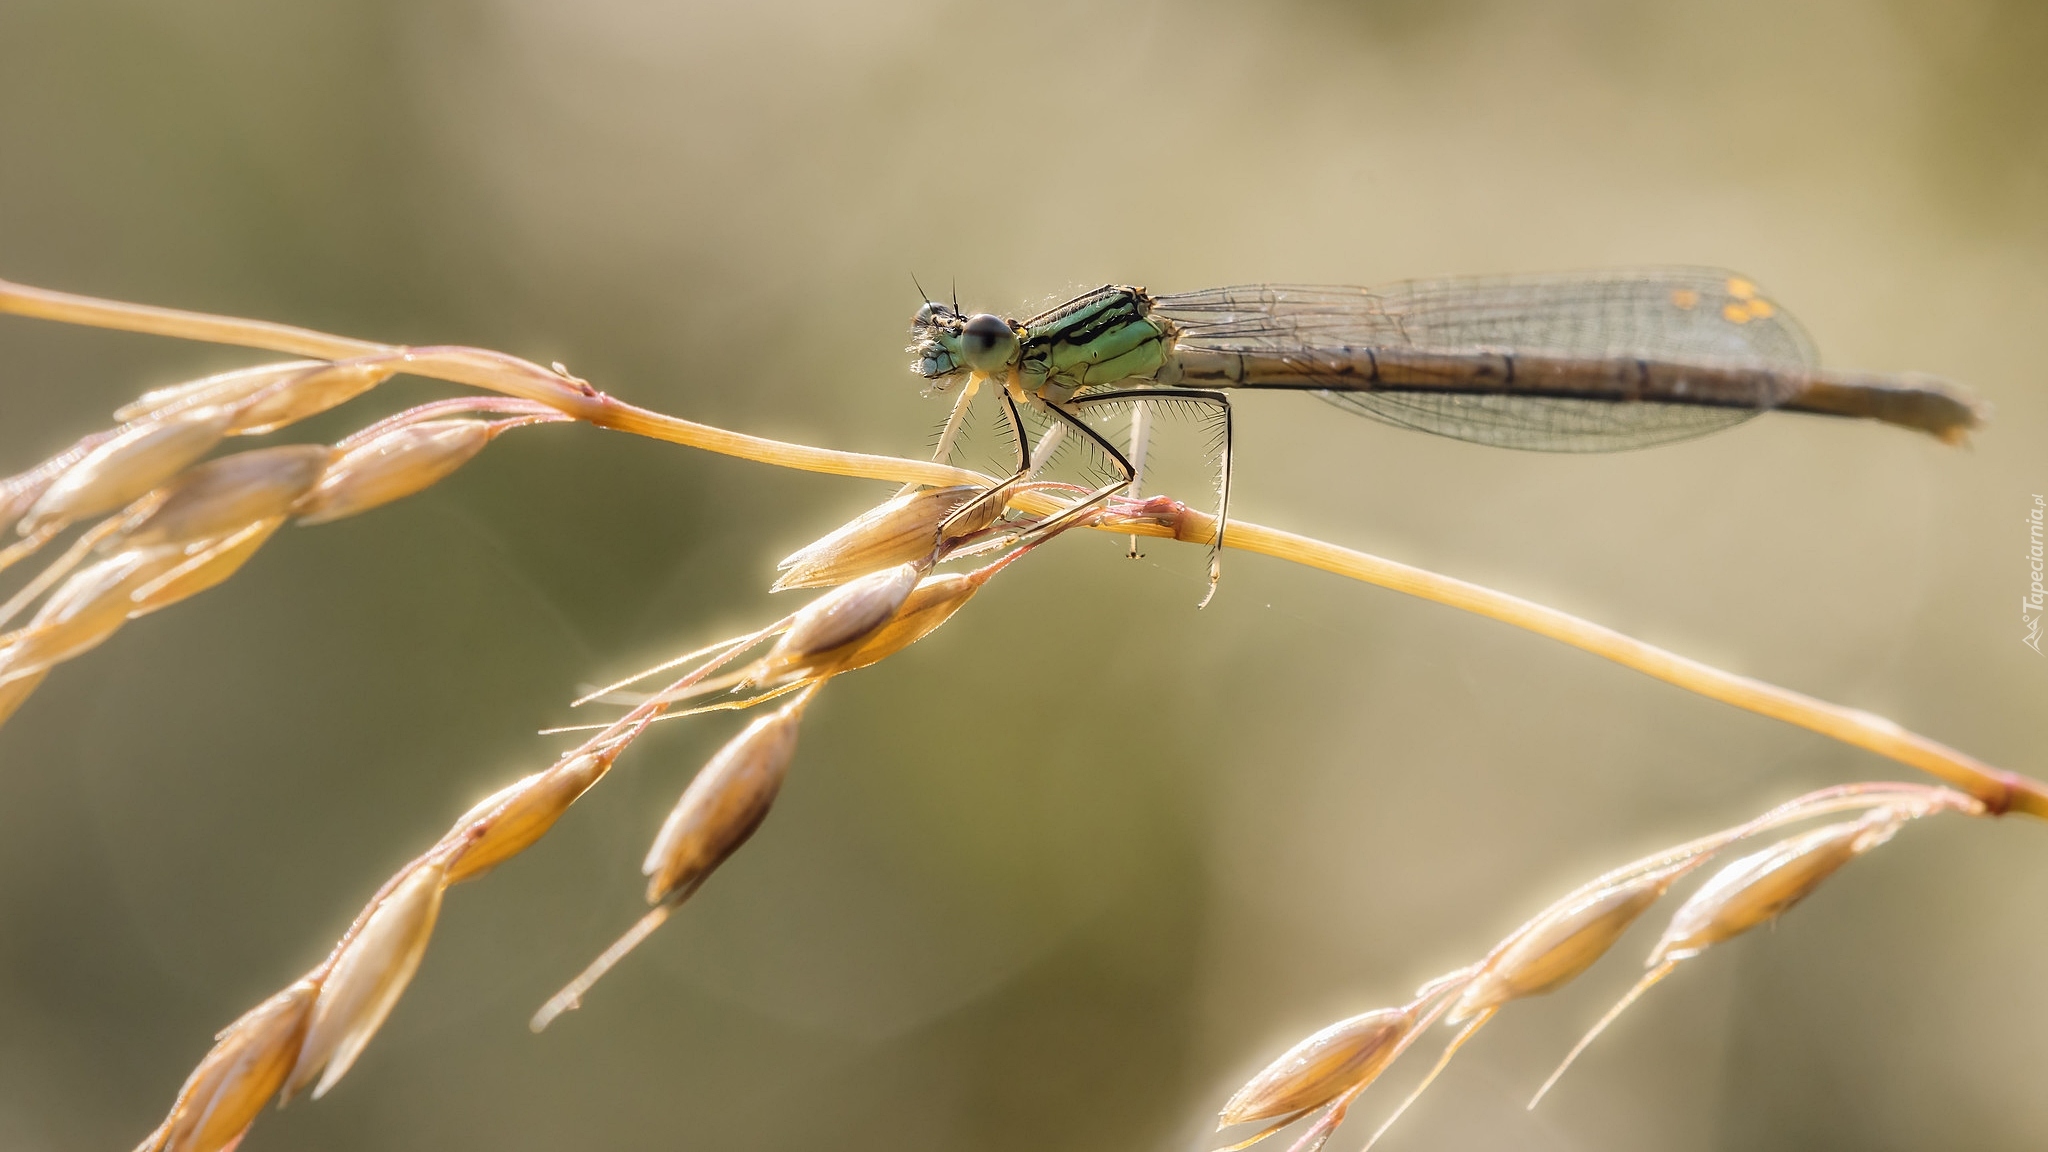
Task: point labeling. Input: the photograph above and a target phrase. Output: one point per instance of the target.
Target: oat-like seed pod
(1321, 1068)
(368, 977)
(206, 564)
(836, 621)
(392, 466)
(1554, 948)
(723, 805)
(308, 393)
(904, 530)
(126, 466)
(246, 1066)
(224, 496)
(1753, 890)
(224, 388)
(509, 821)
(80, 614)
(1764, 885)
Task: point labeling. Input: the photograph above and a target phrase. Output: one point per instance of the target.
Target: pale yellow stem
(2000, 791)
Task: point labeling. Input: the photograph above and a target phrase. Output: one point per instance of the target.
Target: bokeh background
(1067, 872)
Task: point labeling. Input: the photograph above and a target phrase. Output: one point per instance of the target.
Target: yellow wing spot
(1761, 308)
(1735, 313)
(1740, 289)
(1685, 298)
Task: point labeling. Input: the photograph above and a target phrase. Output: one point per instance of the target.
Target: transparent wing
(1681, 314)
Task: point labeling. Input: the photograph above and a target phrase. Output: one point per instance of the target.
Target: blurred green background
(1066, 873)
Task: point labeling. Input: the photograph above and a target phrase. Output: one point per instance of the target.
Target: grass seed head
(509, 822)
(1336, 1060)
(246, 1067)
(204, 565)
(929, 605)
(723, 805)
(1762, 886)
(367, 977)
(224, 496)
(1555, 947)
(308, 392)
(82, 612)
(222, 389)
(904, 530)
(394, 465)
(837, 621)
(126, 466)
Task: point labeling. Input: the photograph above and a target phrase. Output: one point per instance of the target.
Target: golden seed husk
(839, 619)
(123, 468)
(1761, 886)
(204, 565)
(368, 977)
(307, 393)
(221, 389)
(929, 605)
(903, 530)
(224, 496)
(245, 1068)
(394, 465)
(1316, 1071)
(1563, 942)
(522, 813)
(723, 805)
(82, 612)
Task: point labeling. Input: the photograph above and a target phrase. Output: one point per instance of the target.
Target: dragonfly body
(1576, 362)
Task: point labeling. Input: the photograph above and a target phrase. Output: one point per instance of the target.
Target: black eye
(984, 334)
(930, 312)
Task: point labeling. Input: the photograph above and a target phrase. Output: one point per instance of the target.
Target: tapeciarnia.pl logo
(2036, 599)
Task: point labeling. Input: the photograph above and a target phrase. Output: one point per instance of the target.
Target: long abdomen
(1922, 403)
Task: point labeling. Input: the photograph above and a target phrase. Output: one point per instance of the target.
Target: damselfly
(1573, 362)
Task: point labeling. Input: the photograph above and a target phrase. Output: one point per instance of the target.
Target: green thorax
(1095, 339)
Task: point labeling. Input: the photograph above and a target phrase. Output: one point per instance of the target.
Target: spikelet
(84, 611)
(1563, 941)
(204, 564)
(268, 396)
(1753, 890)
(120, 470)
(309, 393)
(230, 1086)
(391, 466)
(367, 977)
(224, 496)
(903, 530)
(222, 389)
(1765, 885)
(1340, 1058)
(834, 624)
(509, 821)
(723, 805)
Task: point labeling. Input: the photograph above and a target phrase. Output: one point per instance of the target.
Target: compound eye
(988, 343)
(930, 312)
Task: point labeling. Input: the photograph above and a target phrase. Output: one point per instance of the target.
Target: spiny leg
(1072, 512)
(1202, 396)
(1141, 448)
(979, 511)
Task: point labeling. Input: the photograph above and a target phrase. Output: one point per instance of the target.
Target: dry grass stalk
(192, 524)
(1565, 939)
(187, 526)
(355, 989)
(1159, 517)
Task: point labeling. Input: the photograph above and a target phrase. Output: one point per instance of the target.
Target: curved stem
(2001, 791)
